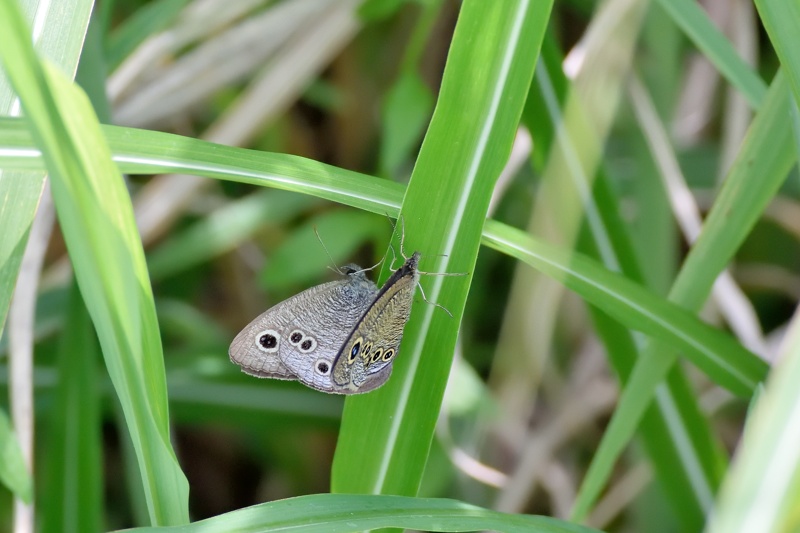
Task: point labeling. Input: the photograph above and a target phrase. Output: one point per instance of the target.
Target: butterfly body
(311, 336)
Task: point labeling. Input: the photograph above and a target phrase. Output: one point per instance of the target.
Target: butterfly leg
(425, 299)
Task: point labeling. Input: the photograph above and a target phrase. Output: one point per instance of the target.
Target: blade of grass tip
(385, 436)
(759, 170)
(97, 222)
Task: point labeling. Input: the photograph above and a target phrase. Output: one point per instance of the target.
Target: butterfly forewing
(255, 348)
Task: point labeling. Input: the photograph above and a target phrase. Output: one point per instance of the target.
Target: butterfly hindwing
(364, 361)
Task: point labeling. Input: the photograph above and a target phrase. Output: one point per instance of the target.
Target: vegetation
(628, 152)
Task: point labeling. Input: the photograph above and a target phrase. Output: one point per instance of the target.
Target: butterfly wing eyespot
(322, 367)
(295, 337)
(354, 351)
(366, 351)
(307, 345)
(376, 356)
(388, 355)
(268, 340)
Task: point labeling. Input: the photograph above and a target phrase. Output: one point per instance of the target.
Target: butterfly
(339, 337)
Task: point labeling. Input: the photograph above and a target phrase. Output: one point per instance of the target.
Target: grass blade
(63, 26)
(340, 513)
(385, 437)
(153, 152)
(97, 221)
(780, 20)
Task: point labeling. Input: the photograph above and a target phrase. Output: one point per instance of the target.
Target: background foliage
(640, 155)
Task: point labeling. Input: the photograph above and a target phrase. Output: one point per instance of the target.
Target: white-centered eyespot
(322, 367)
(268, 340)
(296, 337)
(307, 345)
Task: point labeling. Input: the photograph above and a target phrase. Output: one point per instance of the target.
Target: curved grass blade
(718, 354)
(153, 152)
(341, 513)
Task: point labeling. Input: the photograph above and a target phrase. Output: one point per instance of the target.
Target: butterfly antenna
(337, 269)
(402, 236)
(394, 257)
(425, 299)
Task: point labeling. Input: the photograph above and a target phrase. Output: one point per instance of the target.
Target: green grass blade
(759, 170)
(762, 490)
(385, 437)
(19, 198)
(722, 357)
(716, 47)
(341, 513)
(96, 219)
(71, 494)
